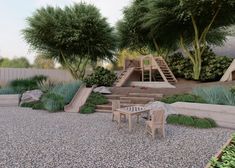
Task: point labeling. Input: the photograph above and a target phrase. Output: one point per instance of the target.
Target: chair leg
(112, 117)
(153, 133)
(163, 132)
(138, 118)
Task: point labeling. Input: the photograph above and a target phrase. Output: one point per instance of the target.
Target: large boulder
(102, 90)
(31, 96)
(160, 105)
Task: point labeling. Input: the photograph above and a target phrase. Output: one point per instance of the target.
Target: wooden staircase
(122, 78)
(169, 76)
(129, 99)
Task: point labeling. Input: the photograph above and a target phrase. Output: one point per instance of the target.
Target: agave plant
(216, 95)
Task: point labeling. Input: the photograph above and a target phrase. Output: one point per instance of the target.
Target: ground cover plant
(227, 160)
(190, 121)
(186, 97)
(216, 95)
(93, 100)
(100, 77)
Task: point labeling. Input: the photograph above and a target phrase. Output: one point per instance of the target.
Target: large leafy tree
(193, 23)
(74, 36)
(134, 35)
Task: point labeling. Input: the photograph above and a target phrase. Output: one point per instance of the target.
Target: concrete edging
(9, 100)
(223, 115)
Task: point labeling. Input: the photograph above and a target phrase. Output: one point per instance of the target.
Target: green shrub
(67, 91)
(7, 90)
(34, 105)
(22, 85)
(93, 100)
(190, 121)
(213, 67)
(172, 119)
(53, 102)
(216, 95)
(202, 123)
(183, 98)
(97, 99)
(212, 122)
(87, 109)
(186, 120)
(101, 77)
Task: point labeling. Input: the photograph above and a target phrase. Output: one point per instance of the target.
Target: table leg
(130, 124)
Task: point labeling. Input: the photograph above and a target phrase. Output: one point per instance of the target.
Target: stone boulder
(102, 90)
(31, 96)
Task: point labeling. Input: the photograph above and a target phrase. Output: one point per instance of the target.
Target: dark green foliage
(202, 123)
(227, 160)
(67, 91)
(173, 119)
(7, 90)
(34, 105)
(183, 98)
(101, 77)
(22, 85)
(213, 67)
(97, 98)
(74, 36)
(186, 120)
(191, 121)
(53, 102)
(212, 122)
(88, 108)
(93, 100)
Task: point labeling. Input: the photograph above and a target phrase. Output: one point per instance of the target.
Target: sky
(13, 14)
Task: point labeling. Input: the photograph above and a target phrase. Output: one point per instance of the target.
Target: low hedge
(183, 98)
(190, 121)
(93, 100)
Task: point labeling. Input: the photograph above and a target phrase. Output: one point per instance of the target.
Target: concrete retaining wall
(11, 100)
(222, 114)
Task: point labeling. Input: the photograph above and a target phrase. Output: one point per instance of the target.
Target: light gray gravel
(40, 139)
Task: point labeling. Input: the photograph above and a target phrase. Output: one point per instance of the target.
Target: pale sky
(14, 12)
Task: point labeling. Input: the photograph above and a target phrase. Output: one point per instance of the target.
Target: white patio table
(131, 111)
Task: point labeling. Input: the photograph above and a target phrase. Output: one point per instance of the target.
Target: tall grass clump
(216, 95)
(53, 102)
(67, 91)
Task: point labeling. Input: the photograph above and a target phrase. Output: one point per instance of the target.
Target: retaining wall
(223, 115)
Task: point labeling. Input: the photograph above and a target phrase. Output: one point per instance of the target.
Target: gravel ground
(40, 139)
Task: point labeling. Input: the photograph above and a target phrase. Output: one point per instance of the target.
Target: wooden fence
(56, 75)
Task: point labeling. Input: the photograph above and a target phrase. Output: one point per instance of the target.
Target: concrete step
(121, 101)
(149, 95)
(142, 100)
(114, 96)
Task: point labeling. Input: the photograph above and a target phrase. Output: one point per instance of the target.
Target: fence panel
(56, 75)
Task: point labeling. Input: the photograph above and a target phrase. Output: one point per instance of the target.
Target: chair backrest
(158, 116)
(115, 105)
